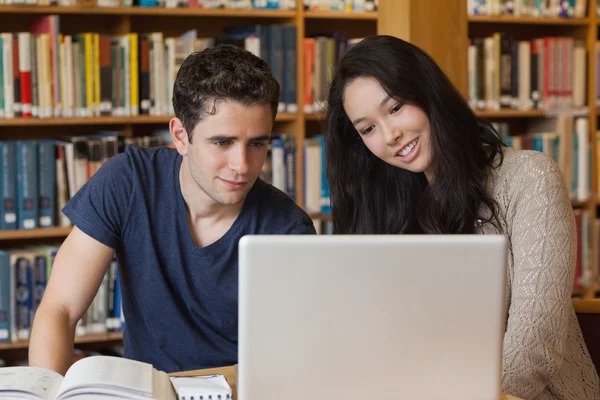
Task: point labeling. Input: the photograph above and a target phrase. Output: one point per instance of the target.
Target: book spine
(27, 190)
(24, 295)
(47, 181)
(5, 296)
(8, 179)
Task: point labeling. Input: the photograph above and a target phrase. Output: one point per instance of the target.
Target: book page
(42, 382)
(119, 372)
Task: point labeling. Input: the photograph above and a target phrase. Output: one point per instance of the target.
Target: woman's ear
(179, 136)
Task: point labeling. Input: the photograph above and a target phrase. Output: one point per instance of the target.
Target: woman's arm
(542, 231)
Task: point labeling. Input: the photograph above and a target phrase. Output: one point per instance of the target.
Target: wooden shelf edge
(322, 217)
(550, 112)
(92, 338)
(509, 113)
(365, 15)
(162, 11)
(139, 120)
(19, 234)
(507, 19)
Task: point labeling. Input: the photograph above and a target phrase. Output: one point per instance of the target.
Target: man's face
(228, 149)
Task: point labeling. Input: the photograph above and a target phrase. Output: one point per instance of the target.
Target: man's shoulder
(135, 160)
(277, 207)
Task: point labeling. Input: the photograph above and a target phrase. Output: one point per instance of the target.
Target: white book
(90, 377)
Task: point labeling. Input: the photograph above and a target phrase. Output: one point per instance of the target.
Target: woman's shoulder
(526, 165)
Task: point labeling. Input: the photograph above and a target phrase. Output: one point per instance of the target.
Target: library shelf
(149, 11)
(21, 234)
(509, 113)
(508, 19)
(109, 120)
(314, 117)
(366, 15)
(92, 338)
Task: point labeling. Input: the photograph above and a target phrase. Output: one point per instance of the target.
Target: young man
(174, 218)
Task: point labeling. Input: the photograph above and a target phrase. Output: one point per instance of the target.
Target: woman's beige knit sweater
(544, 354)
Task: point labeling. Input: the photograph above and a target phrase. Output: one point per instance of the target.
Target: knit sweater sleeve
(542, 232)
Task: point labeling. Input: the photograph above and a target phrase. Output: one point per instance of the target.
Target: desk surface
(229, 374)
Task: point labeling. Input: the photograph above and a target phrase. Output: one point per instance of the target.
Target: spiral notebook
(208, 387)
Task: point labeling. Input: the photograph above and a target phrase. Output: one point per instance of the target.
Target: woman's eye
(367, 130)
(396, 108)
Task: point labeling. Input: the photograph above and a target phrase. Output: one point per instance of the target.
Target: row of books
(566, 140)
(313, 5)
(44, 73)
(280, 166)
(542, 73)
(533, 8)
(38, 177)
(341, 5)
(231, 4)
(24, 275)
(321, 56)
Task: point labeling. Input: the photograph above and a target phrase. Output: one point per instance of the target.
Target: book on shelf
(91, 377)
(341, 5)
(24, 275)
(38, 177)
(194, 4)
(46, 73)
(546, 73)
(529, 8)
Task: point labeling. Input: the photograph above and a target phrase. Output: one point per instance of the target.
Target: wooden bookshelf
(43, 233)
(367, 15)
(139, 120)
(95, 338)
(522, 28)
(507, 19)
(148, 11)
(401, 18)
(508, 113)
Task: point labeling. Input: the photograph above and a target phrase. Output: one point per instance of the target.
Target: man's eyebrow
(383, 102)
(260, 138)
(220, 138)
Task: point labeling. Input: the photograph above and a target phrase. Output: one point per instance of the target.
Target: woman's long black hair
(369, 196)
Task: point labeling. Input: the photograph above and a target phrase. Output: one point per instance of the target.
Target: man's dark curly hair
(224, 72)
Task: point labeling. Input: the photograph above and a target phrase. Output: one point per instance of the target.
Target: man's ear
(179, 136)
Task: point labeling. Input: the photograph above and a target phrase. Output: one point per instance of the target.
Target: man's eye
(222, 143)
(257, 144)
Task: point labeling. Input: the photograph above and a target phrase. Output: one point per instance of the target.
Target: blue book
(5, 297)
(325, 196)
(40, 276)
(27, 184)
(289, 94)
(22, 262)
(47, 182)
(8, 183)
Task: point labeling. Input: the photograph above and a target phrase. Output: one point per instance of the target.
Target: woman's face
(396, 132)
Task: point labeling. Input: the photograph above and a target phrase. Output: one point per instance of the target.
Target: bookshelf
(173, 22)
(525, 28)
(103, 338)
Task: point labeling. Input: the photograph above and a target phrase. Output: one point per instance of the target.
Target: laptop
(371, 317)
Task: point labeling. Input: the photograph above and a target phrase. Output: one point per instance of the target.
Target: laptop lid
(371, 316)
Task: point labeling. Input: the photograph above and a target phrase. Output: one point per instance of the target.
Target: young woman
(405, 154)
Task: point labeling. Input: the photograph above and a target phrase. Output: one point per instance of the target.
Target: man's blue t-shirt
(180, 301)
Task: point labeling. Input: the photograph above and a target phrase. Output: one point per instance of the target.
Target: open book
(95, 377)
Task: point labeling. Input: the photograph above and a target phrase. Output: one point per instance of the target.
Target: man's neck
(208, 220)
(199, 204)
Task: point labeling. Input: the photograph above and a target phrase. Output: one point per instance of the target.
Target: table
(229, 374)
